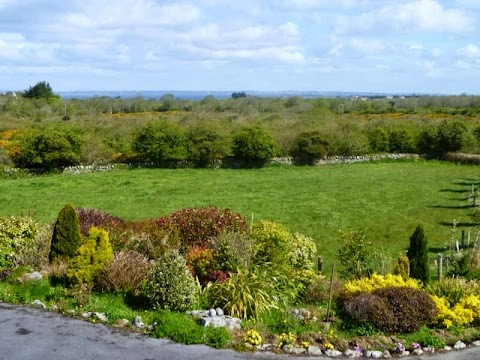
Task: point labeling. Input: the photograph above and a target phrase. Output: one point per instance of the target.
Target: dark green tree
(41, 90)
(206, 145)
(417, 254)
(160, 141)
(50, 149)
(309, 146)
(66, 238)
(254, 144)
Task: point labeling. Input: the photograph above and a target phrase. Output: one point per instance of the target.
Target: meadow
(389, 198)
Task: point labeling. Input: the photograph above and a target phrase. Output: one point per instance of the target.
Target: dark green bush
(217, 337)
(160, 142)
(309, 146)
(49, 149)
(254, 145)
(417, 254)
(206, 145)
(196, 226)
(66, 237)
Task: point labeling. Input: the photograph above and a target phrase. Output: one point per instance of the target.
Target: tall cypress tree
(66, 237)
(418, 256)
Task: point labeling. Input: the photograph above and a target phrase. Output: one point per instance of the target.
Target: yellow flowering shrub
(465, 312)
(253, 337)
(377, 281)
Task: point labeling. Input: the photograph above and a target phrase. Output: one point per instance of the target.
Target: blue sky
(420, 46)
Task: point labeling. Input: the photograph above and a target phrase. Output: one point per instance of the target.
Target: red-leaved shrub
(92, 217)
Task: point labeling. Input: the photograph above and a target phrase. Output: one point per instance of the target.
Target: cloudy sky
(421, 46)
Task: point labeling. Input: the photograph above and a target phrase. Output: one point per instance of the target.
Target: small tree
(254, 144)
(41, 90)
(310, 146)
(66, 237)
(418, 256)
(355, 254)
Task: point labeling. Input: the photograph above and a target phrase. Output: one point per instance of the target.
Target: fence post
(440, 266)
(320, 263)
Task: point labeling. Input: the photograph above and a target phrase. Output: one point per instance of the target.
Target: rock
(430, 350)
(138, 323)
(53, 308)
(38, 303)
(228, 322)
(374, 354)
(459, 345)
(352, 353)
(295, 350)
(122, 323)
(219, 312)
(212, 312)
(333, 353)
(264, 347)
(404, 353)
(34, 276)
(447, 348)
(386, 354)
(418, 352)
(314, 351)
(100, 316)
(476, 343)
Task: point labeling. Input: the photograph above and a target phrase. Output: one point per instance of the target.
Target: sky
(407, 46)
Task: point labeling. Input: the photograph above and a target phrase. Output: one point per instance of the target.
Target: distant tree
(49, 149)
(309, 146)
(238, 95)
(160, 141)
(417, 254)
(206, 144)
(41, 90)
(254, 144)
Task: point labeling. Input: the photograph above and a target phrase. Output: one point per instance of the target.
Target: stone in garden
(352, 353)
(53, 308)
(294, 350)
(122, 323)
(459, 345)
(212, 312)
(219, 312)
(314, 351)
(34, 276)
(264, 347)
(138, 323)
(374, 354)
(38, 303)
(333, 353)
(476, 343)
(404, 353)
(100, 316)
(386, 354)
(418, 352)
(430, 350)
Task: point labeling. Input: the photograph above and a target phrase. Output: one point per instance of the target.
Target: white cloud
(407, 17)
(470, 51)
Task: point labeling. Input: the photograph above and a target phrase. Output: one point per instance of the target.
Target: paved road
(31, 334)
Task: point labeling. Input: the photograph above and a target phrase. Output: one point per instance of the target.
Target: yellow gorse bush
(377, 281)
(465, 312)
(253, 337)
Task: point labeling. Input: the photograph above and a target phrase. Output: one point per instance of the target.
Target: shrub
(465, 312)
(390, 309)
(378, 138)
(125, 272)
(355, 254)
(92, 217)
(200, 262)
(453, 289)
(170, 285)
(206, 145)
(425, 338)
(246, 294)
(66, 236)
(49, 149)
(273, 241)
(378, 282)
(92, 256)
(303, 252)
(148, 237)
(17, 237)
(309, 146)
(217, 337)
(161, 141)
(197, 225)
(233, 249)
(402, 267)
(318, 291)
(36, 254)
(254, 145)
(418, 256)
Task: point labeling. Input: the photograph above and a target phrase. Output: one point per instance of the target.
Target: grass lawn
(389, 198)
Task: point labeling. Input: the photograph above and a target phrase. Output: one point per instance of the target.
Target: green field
(389, 198)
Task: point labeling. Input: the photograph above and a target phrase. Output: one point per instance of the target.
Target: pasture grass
(388, 198)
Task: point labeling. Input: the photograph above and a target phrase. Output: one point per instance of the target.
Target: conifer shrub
(125, 272)
(170, 285)
(93, 255)
(93, 217)
(66, 236)
(197, 225)
(402, 267)
(418, 256)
